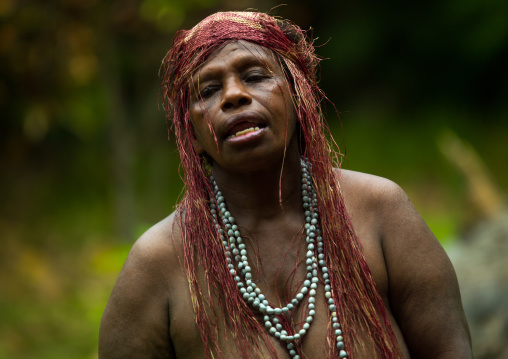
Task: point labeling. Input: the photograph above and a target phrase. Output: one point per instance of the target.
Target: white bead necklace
(235, 249)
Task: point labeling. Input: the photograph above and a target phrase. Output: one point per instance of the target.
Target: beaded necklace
(235, 249)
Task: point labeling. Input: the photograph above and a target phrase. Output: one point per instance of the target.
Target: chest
(187, 342)
(280, 286)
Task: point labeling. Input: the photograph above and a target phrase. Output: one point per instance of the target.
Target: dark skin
(150, 315)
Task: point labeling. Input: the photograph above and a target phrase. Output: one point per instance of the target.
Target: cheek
(203, 139)
(198, 118)
(196, 112)
(197, 124)
(196, 140)
(281, 98)
(201, 111)
(284, 107)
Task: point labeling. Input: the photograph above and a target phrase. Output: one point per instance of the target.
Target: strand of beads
(235, 249)
(307, 184)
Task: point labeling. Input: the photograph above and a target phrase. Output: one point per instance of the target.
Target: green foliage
(54, 309)
(170, 15)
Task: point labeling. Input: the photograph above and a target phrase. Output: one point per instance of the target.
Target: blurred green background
(87, 165)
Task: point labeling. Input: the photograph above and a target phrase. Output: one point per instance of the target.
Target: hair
(359, 306)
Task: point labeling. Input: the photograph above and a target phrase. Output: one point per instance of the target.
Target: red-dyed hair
(359, 307)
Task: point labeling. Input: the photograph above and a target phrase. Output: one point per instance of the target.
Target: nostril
(235, 102)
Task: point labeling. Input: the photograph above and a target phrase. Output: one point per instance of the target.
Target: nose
(235, 94)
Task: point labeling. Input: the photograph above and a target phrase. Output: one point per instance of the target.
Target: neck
(263, 195)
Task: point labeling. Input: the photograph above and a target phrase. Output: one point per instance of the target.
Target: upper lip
(240, 121)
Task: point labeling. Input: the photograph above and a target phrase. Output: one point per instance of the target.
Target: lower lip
(247, 137)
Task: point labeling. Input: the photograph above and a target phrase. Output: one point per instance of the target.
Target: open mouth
(243, 129)
(243, 132)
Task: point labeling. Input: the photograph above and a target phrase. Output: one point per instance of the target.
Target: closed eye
(209, 91)
(255, 76)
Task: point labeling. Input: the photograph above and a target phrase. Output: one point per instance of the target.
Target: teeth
(243, 132)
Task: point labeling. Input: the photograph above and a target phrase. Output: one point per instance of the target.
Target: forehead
(237, 54)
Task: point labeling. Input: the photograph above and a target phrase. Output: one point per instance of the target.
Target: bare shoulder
(159, 245)
(156, 255)
(373, 204)
(386, 206)
(369, 193)
(377, 206)
(421, 286)
(391, 216)
(135, 322)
